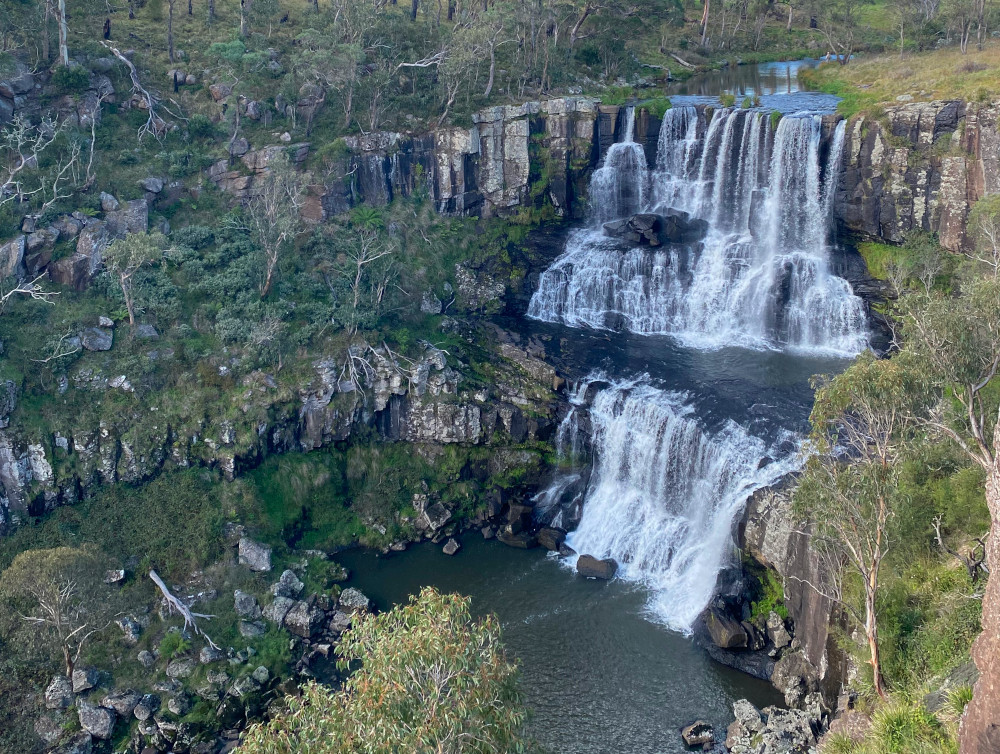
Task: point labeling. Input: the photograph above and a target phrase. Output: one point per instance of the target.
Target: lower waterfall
(665, 491)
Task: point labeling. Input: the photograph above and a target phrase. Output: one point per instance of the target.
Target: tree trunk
(170, 30)
(574, 32)
(190, 7)
(788, 26)
(979, 732)
(704, 24)
(63, 33)
(871, 631)
(244, 17)
(68, 659)
(451, 10)
(211, 10)
(45, 32)
(413, 9)
(493, 68)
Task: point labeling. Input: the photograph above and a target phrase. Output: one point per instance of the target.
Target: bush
(430, 679)
(71, 79)
(173, 645)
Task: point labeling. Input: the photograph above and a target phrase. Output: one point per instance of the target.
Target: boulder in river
(648, 229)
(725, 631)
(522, 540)
(698, 733)
(592, 568)
(551, 538)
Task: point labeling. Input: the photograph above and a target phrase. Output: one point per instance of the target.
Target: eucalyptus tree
(861, 420)
(426, 677)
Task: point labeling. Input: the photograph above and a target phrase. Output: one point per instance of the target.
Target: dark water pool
(597, 674)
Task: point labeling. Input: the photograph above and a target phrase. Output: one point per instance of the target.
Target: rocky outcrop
(775, 537)
(423, 400)
(919, 166)
(484, 170)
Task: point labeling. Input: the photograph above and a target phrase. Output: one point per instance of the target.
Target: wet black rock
(698, 733)
(648, 229)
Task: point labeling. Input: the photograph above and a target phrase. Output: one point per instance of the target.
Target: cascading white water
(761, 277)
(664, 493)
(620, 186)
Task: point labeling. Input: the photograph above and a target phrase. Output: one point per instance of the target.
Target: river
(690, 365)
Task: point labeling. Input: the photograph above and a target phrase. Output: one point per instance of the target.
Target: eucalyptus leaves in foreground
(427, 678)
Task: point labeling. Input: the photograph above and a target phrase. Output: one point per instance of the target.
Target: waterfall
(664, 493)
(619, 187)
(761, 277)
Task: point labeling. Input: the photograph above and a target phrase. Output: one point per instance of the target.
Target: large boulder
(304, 620)
(698, 733)
(795, 677)
(246, 605)
(278, 609)
(59, 693)
(20, 81)
(97, 721)
(725, 631)
(97, 339)
(354, 600)
(12, 258)
(551, 538)
(289, 585)
(522, 541)
(649, 229)
(777, 632)
(78, 743)
(122, 702)
(592, 568)
(254, 555)
(182, 668)
(85, 679)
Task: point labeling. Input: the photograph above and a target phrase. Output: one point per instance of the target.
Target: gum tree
(59, 599)
(861, 420)
(431, 679)
(126, 256)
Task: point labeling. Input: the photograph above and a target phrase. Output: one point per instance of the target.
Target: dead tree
(974, 561)
(173, 603)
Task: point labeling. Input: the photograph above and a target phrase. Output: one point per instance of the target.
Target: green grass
(881, 257)
(868, 85)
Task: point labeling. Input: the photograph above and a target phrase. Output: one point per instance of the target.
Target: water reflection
(777, 84)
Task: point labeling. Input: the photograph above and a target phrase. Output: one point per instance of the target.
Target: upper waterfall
(761, 277)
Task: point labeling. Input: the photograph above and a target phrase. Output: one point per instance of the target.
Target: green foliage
(71, 79)
(657, 107)
(727, 100)
(173, 644)
(429, 674)
(172, 524)
(771, 596)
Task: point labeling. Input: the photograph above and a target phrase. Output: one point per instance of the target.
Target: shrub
(71, 79)
(430, 679)
(173, 645)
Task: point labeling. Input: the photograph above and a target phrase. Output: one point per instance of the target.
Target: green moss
(771, 595)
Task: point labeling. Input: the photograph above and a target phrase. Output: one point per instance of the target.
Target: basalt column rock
(920, 167)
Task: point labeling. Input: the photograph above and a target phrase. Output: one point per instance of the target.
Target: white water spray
(761, 278)
(664, 494)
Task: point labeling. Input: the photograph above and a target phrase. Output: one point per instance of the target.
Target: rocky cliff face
(919, 166)
(422, 401)
(773, 536)
(509, 158)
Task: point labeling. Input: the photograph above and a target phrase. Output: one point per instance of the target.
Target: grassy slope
(870, 83)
